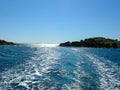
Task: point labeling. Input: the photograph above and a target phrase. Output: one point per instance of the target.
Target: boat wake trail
(109, 72)
(32, 74)
(58, 68)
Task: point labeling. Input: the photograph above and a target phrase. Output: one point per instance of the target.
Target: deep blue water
(36, 67)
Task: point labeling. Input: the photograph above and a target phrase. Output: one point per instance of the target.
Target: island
(3, 42)
(96, 42)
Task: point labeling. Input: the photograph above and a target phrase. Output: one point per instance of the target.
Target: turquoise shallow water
(36, 67)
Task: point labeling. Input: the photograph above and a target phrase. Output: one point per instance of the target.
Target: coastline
(95, 42)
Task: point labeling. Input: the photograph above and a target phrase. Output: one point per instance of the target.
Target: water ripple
(35, 67)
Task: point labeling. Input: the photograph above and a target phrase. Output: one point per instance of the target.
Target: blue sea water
(44, 67)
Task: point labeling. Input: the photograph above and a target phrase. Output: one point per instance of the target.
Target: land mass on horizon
(96, 42)
(3, 42)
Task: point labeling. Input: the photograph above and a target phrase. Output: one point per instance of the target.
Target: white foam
(26, 73)
(107, 77)
(24, 84)
(37, 72)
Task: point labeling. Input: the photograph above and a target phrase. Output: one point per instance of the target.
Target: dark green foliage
(65, 44)
(94, 42)
(75, 43)
(3, 42)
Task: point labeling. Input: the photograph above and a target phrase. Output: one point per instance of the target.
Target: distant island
(97, 42)
(3, 42)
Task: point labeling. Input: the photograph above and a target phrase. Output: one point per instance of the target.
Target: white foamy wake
(108, 71)
(27, 74)
(78, 74)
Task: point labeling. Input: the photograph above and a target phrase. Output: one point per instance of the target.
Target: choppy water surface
(40, 67)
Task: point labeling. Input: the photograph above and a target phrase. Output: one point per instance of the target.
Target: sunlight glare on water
(44, 45)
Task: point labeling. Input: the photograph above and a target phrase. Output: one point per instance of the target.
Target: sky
(56, 21)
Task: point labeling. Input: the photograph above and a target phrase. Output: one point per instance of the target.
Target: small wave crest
(108, 72)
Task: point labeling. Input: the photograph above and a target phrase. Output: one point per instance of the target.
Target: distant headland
(96, 42)
(3, 42)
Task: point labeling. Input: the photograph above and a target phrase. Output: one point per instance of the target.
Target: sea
(50, 67)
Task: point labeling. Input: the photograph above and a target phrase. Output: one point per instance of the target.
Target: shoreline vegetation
(95, 42)
(3, 42)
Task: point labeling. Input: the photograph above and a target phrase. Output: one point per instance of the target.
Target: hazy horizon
(56, 21)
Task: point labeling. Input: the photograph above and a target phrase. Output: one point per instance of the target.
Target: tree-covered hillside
(94, 42)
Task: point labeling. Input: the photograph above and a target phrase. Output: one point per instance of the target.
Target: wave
(59, 68)
(108, 72)
(27, 75)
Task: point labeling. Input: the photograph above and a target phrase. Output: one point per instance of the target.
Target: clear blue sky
(55, 21)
